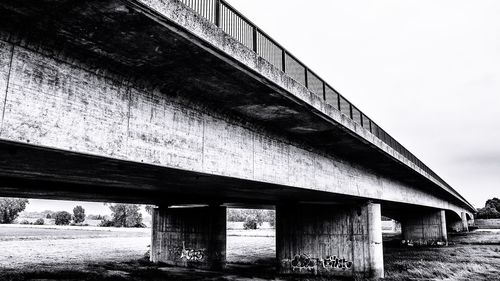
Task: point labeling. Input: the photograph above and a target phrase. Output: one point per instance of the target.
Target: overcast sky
(427, 71)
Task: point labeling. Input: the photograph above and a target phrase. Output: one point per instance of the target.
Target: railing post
(255, 38)
(338, 102)
(217, 12)
(283, 60)
(324, 91)
(350, 111)
(305, 79)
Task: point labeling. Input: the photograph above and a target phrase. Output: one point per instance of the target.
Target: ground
(79, 253)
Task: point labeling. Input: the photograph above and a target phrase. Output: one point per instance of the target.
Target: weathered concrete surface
(5, 60)
(62, 105)
(329, 240)
(189, 237)
(425, 228)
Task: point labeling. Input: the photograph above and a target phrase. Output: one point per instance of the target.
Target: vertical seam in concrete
(253, 154)
(288, 167)
(7, 86)
(367, 265)
(352, 243)
(203, 145)
(129, 99)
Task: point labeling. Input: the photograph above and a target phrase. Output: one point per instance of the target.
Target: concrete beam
(322, 240)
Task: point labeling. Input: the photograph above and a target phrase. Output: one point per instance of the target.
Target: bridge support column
(465, 223)
(330, 240)
(425, 228)
(459, 225)
(189, 237)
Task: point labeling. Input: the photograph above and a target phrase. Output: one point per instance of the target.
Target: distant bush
(25, 222)
(39, 222)
(261, 216)
(78, 224)
(106, 223)
(250, 223)
(62, 218)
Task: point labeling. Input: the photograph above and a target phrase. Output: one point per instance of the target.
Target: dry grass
(89, 255)
(473, 256)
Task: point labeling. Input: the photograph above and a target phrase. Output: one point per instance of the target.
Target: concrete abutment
(189, 237)
(330, 240)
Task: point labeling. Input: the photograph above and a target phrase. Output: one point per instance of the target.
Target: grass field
(118, 254)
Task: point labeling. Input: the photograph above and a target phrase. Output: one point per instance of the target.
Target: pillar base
(334, 240)
(189, 237)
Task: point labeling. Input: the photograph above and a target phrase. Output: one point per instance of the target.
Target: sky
(427, 71)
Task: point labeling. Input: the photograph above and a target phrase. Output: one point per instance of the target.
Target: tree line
(122, 215)
(491, 210)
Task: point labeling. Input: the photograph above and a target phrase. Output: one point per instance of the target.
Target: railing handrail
(378, 133)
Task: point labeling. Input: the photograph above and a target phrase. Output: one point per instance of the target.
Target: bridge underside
(112, 37)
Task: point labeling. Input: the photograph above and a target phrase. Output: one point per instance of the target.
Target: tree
(491, 210)
(126, 215)
(10, 208)
(149, 209)
(78, 214)
(488, 213)
(493, 203)
(62, 218)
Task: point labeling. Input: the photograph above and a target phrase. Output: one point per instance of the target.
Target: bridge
(189, 106)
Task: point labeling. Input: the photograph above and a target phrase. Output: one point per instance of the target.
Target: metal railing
(223, 15)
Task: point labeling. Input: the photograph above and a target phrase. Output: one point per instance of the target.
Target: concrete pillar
(459, 224)
(189, 237)
(465, 223)
(425, 228)
(330, 240)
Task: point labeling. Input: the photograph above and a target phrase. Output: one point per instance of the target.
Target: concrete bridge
(189, 106)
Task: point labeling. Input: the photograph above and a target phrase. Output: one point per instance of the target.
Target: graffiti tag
(334, 262)
(192, 254)
(305, 262)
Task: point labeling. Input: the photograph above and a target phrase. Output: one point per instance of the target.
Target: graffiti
(418, 243)
(304, 262)
(334, 262)
(192, 254)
